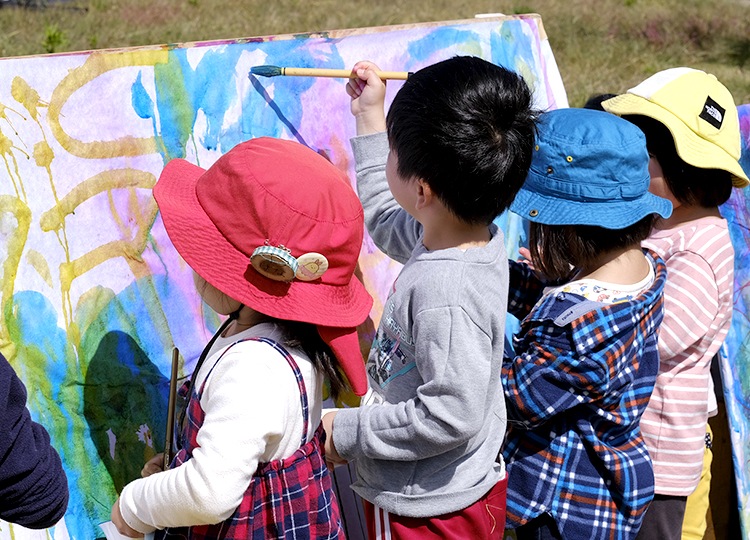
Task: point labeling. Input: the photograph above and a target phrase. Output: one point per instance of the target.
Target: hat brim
(692, 148)
(549, 210)
(221, 264)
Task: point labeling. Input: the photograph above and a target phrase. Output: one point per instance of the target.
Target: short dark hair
(465, 127)
(558, 251)
(594, 102)
(688, 184)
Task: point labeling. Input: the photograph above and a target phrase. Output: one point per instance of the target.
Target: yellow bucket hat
(698, 110)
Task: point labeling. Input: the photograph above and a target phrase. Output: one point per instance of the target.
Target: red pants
(485, 519)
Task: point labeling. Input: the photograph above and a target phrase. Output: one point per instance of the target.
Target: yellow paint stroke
(95, 65)
(16, 243)
(135, 212)
(43, 156)
(6, 149)
(95, 257)
(26, 96)
(130, 249)
(37, 261)
(4, 115)
(6, 145)
(100, 183)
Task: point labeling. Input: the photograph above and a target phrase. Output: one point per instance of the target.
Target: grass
(600, 45)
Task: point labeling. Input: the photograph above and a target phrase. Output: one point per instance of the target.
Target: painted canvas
(94, 297)
(735, 362)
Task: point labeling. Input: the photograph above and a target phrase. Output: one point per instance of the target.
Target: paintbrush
(168, 444)
(275, 71)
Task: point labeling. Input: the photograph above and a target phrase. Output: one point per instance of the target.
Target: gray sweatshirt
(430, 446)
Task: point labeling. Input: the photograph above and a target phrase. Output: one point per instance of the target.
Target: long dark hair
(305, 336)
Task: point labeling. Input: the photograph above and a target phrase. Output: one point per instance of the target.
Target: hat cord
(202, 358)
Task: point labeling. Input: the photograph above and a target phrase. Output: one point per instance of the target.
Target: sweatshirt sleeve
(33, 486)
(244, 413)
(392, 229)
(452, 355)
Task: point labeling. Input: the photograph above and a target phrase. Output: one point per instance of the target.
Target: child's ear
(425, 195)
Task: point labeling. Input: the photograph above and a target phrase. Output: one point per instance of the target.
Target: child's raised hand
(153, 465)
(367, 91)
(526, 257)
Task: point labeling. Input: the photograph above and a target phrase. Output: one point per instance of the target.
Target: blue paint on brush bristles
(266, 71)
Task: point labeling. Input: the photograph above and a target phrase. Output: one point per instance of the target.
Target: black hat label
(713, 113)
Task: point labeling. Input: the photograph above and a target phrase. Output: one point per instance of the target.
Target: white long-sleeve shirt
(252, 415)
(697, 316)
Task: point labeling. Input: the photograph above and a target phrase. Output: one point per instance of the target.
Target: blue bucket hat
(588, 168)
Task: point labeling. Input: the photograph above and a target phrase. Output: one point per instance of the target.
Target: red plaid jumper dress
(288, 498)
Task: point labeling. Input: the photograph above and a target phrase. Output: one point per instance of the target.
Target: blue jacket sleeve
(33, 486)
(546, 378)
(524, 290)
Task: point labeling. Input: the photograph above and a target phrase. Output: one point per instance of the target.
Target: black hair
(594, 101)
(559, 251)
(306, 337)
(689, 184)
(465, 126)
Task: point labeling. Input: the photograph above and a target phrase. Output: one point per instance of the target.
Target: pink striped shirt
(697, 315)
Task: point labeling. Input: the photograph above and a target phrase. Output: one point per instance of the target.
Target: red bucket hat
(276, 226)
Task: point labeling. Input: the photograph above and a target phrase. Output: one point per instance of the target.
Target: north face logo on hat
(713, 113)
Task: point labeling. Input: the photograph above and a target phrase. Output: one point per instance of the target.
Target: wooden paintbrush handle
(168, 449)
(345, 73)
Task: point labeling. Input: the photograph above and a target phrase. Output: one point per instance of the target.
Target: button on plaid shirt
(575, 390)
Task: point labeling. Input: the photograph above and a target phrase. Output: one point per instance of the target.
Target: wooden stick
(168, 448)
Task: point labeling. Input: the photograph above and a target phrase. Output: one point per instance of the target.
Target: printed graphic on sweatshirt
(392, 351)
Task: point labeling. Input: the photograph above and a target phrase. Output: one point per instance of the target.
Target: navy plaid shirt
(575, 390)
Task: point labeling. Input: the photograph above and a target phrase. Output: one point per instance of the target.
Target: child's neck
(687, 212)
(620, 267)
(449, 232)
(247, 319)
